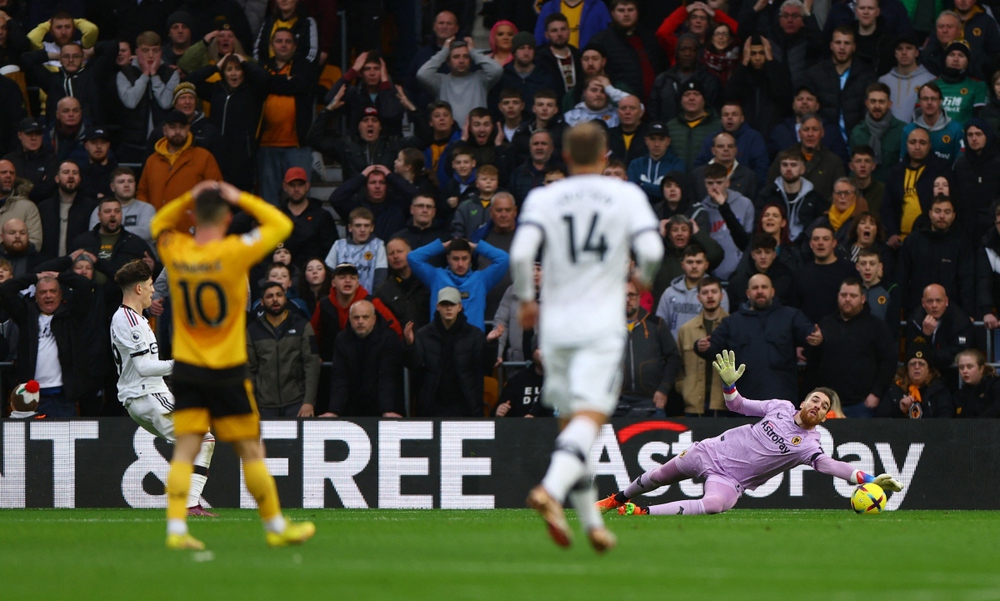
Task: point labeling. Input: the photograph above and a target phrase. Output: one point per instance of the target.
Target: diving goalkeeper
(745, 457)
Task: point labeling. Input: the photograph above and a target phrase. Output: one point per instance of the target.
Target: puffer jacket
(283, 361)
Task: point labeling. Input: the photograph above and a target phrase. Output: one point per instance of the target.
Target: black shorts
(218, 399)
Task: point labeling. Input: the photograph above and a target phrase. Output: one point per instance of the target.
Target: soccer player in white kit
(745, 457)
(585, 226)
(140, 372)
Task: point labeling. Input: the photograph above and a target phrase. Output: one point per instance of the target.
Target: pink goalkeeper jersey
(754, 453)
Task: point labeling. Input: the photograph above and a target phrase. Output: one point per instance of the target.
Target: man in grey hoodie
(679, 303)
(730, 215)
(906, 77)
(463, 88)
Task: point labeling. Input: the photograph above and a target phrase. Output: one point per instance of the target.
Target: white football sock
(583, 497)
(201, 464)
(569, 460)
(178, 527)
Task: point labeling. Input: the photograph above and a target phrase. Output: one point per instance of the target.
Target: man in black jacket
(911, 181)
(856, 355)
(32, 160)
(941, 255)
(386, 194)
(373, 90)
(945, 327)
(49, 344)
(110, 241)
(314, 231)
(651, 361)
(74, 78)
(626, 141)
(635, 69)
(764, 335)
(366, 378)
(57, 237)
(402, 292)
(448, 357)
(842, 105)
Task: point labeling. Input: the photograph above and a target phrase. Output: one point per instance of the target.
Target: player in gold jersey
(207, 273)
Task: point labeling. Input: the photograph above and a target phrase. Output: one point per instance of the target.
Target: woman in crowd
(979, 395)
(919, 392)
(866, 232)
(501, 39)
(410, 164)
(722, 52)
(237, 100)
(315, 283)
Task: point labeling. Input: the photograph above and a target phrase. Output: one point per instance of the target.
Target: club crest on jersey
(368, 255)
(796, 440)
(946, 139)
(977, 32)
(882, 300)
(136, 336)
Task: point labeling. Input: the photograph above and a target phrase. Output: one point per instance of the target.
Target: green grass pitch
(80, 555)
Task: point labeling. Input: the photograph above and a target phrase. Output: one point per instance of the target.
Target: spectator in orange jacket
(177, 165)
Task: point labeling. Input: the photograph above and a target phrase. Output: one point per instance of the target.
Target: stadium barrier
(478, 464)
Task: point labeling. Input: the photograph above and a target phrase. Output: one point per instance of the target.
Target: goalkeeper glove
(725, 366)
(884, 481)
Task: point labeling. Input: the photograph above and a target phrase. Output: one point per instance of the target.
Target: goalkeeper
(745, 457)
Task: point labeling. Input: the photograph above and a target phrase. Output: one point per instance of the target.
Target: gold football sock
(178, 485)
(261, 486)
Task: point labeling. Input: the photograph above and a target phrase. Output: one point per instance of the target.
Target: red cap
(296, 173)
(31, 386)
(371, 111)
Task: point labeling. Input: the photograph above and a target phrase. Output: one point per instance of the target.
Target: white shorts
(583, 377)
(154, 413)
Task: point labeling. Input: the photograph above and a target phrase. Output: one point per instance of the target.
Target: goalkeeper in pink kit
(745, 457)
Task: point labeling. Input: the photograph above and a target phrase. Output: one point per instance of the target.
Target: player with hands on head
(745, 457)
(207, 277)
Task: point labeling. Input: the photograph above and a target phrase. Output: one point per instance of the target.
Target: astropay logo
(607, 459)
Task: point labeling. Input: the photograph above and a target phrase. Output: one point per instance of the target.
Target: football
(868, 498)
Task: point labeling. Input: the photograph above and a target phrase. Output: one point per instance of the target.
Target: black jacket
(313, 232)
(857, 356)
(366, 378)
(665, 102)
(390, 215)
(780, 274)
(66, 328)
(953, 335)
(623, 60)
(808, 209)
(616, 144)
(765, 341)
(977, 184)
(816, 287)
(784, 135)
(988, 274)
(825, 81)
(79, 223)
(135, 121)
(935, 401)
(12, 108)
(38, 167)
(765, 94)
(945, 258)
(83, 85)
(354, 154)
(892, 198)
(450, 366)
(305, 32)
(981, 400)
(651, 357)
(409, 299)
(357, 99)
(544, 57)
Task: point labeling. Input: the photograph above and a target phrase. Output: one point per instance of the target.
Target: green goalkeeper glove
(725, 366)
(887, 482)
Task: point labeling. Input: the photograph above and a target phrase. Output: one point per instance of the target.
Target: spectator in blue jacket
(473, 285)
(751, 149)
(649, 170)
(594, 17)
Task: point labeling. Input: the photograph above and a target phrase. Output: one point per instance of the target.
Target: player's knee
(714, 504)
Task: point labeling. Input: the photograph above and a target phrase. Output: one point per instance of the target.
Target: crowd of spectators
(827, 175)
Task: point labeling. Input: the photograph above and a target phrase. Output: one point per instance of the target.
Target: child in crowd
(361, 249)
(475, 211)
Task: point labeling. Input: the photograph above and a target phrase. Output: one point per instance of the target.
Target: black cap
(98, 133)
(345, 269)
(692, 85)
(657, 128)
(918, 349)
(179, 16)
(176, 117)
(28, 125)
(960, 45)
(909, 37)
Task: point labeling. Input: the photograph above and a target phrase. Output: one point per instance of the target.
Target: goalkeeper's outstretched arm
(839, 469)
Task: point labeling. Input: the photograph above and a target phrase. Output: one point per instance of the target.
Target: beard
(275, 311)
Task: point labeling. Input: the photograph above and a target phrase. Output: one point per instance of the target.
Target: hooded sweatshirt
(904, 90)
(679, 305)
(581, 114)
(742, 207)
(648, 173)
(946, 136)
(977, 183)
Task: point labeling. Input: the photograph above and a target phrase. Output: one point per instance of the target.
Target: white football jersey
(588, 223)
(132, 338)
